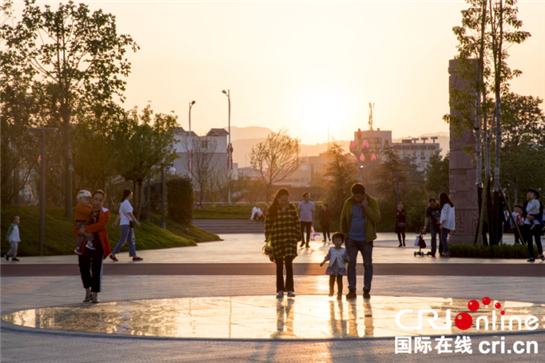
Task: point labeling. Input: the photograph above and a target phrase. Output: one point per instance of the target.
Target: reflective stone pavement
(266, 317)
(37, 291)
(40, 345)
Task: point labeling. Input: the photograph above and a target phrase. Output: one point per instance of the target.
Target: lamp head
(224, 92)
(193, 102)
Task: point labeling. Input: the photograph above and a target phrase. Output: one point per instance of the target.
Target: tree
(143, 144)
(77, 54)
(94, 146)
(488, 28)
(251, 189)
(437, 179)
(339, 175)
(276, 158)
(390, 173)
(523, 145)
(205, 162)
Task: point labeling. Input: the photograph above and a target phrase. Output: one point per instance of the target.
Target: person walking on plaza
(359, 217)
(447, 221)
(433, 216)
(283, 231)
(529, 230)
(13, 238)
(401, 224)
(90, 260)
(127, 221)
(325, 221)
(337, 257)
(306, 212)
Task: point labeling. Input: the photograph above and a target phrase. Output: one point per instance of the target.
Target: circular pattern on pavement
(266, 317)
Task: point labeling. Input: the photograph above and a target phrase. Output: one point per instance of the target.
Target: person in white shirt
(127, 219)
(447, 221)
(13, 238)
(257, 214)
(306, 212)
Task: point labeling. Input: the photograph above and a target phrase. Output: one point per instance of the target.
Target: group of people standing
(285, 226)
(439, 217)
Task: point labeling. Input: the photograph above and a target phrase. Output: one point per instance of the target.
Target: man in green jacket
(358, 224)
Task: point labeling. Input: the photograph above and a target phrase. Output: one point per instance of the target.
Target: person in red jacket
(90, 261)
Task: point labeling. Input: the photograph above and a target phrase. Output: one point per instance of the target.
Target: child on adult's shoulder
(13, 238)
(337, 257)
(84, 214)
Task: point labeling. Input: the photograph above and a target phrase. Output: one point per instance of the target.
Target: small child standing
(83, 216)
(13, 238)
(337, 258)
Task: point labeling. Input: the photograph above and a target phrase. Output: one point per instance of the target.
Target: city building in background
(375, 140)
(214, 142)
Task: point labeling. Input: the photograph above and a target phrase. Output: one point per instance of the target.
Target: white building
(215, 141)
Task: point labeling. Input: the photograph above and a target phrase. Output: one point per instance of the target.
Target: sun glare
(320, 109)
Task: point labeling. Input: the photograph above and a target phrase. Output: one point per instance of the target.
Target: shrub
(481, 251)
(180, 199)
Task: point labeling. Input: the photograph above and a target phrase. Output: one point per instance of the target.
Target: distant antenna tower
(371, 106)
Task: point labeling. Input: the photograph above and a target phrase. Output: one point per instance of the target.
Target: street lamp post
(229, 160)
(171, 170)
(190, 150)
(42, 182)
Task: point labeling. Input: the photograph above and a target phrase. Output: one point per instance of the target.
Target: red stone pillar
(463, 188)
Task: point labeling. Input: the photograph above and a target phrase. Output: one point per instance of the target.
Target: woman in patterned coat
(283, 228)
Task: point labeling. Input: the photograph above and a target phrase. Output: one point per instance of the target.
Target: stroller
(419, 241)
(313, 234)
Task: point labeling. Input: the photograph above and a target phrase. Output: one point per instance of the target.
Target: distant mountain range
(244, 138)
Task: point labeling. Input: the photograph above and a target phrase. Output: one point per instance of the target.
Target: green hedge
(501, 251)
(180, 199)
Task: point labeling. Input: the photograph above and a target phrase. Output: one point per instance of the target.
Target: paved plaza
(235, 317)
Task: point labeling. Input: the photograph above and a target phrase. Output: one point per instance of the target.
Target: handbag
(268, 250)
(419, 242)
(402, 225)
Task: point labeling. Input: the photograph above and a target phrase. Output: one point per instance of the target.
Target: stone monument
(462, 171)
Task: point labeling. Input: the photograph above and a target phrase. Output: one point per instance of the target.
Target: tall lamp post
(171, 171)
(190, 150)
(42, 182)
(229, 147)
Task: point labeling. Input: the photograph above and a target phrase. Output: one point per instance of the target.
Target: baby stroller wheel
(415, 254)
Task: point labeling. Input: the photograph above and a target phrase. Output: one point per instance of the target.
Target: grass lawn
(60, 240)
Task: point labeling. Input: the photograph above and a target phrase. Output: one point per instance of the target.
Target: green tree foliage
(339, 175)
(276, 158)
(389, 173)
(75, 54)
(142, 143)
(180, 199)
(523, 146)
(437, 180)
(392, 172)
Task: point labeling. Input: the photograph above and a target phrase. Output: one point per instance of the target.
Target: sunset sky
(306, 65)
